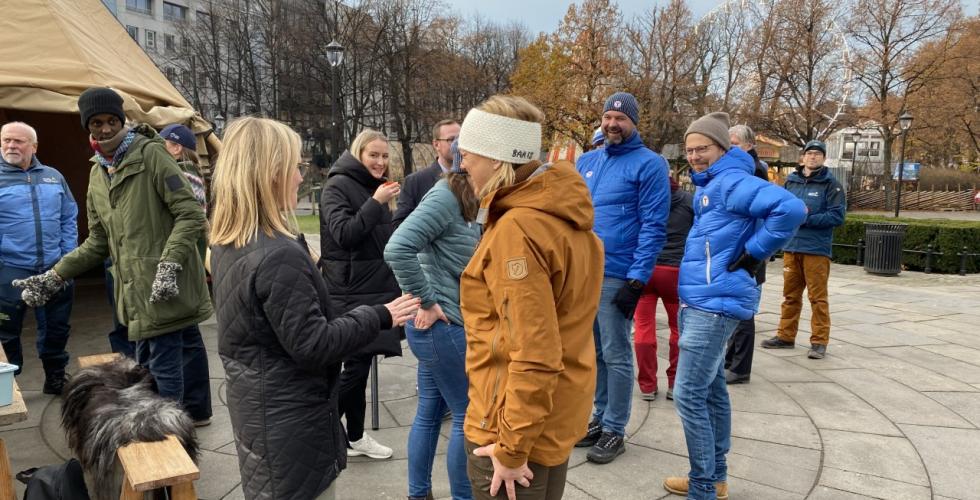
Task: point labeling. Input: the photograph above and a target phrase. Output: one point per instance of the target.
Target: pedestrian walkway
(892, 412)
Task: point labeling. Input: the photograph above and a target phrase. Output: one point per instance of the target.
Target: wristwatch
(635, 284)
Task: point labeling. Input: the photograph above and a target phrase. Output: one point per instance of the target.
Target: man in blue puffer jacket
(806, 258)
(37, 227)
(630, 191)
(739, 221)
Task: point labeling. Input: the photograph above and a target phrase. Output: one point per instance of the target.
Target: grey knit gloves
(39, 289)
(165, 283)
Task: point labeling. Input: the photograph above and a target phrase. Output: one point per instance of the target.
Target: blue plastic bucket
(7, 383)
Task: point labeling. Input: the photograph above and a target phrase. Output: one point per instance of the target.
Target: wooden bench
(148, 466)
(151, 465)
(10, 414)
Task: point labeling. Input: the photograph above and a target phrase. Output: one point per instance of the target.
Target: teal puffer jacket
(430, 249)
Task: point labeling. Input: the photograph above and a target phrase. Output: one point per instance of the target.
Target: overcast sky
(544, 15)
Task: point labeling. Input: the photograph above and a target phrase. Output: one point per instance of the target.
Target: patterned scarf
(110, 165)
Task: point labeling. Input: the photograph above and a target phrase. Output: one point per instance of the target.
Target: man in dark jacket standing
(806, 259)
(738, 357)
(630, 191)
(417, 184)
(38, 223)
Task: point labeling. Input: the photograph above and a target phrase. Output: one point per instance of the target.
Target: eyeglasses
(447, 139)
(700, 150)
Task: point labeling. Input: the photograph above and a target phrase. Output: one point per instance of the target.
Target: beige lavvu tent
(52, 50)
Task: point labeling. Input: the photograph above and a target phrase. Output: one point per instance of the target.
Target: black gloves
(39, 289)
(165, 283)
(628, 296)
(747, 262)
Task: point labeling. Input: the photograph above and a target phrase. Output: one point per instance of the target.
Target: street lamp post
(854, 154)
(905, 122)
(335, 56)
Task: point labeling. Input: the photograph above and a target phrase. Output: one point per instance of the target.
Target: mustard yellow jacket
(529, 297)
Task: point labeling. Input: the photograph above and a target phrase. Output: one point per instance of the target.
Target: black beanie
(98, 100)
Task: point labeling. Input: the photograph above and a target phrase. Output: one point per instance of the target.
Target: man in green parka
(143, 214)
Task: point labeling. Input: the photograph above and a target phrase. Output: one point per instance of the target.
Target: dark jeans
(351, 399)
(119, 336)
(548, 482)
(52, 323)
(738, 357)
(179, 363)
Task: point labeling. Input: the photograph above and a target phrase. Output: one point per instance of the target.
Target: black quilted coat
(354, 229)
(281, 347)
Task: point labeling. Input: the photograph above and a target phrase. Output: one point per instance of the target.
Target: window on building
(141, 6)
(174, 12)
(151, 40)
(134, 32)
(171, 73)
(185, 44)
(185, 79)
(169, 43)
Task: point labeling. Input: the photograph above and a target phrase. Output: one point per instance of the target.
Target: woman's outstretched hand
(403, 309)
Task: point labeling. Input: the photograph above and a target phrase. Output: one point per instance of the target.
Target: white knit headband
(500, 138)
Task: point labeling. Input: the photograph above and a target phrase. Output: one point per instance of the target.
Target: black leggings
(352, 400)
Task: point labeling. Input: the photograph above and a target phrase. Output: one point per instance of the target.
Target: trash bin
(883, 247)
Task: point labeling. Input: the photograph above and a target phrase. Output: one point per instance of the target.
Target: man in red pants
(663, 285)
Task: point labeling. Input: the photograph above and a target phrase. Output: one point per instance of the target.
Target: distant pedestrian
(806, 258)
(416, 184)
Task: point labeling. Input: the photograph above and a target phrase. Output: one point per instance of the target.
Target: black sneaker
(607, 448)
(54, 385)
(817, 351)
(591, 435)
(777, 343)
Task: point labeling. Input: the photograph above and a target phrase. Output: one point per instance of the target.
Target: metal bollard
(860, 252)
(963, 255)
(929, 259)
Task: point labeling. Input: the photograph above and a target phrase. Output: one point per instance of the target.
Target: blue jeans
(701, 397)
(179, 364)
(614, 361)
(119, 336)
(52, 323)
(441, 351)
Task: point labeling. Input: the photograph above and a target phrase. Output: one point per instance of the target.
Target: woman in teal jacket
(428, 253)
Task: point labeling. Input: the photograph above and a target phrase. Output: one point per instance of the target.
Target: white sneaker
(367, 446)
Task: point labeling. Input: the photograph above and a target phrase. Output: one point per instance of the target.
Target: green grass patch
(309, 224)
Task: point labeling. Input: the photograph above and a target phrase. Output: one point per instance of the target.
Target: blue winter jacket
(826, 202)
(630, 191)
(430, 249)
(734, 212)
(38, 216)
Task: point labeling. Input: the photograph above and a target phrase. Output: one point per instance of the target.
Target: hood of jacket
(735, 158)
(556, 189)
(353, 168)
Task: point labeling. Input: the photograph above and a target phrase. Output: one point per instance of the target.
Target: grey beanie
(625, 103)
(713, 126)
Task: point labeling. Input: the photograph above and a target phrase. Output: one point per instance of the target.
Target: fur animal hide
(111, 405)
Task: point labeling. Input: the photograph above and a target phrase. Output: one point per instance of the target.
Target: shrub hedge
(946, 236)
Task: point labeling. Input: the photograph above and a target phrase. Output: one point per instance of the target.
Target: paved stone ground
(892, 412)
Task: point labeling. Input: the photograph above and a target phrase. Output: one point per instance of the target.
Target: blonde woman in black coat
(279, 341)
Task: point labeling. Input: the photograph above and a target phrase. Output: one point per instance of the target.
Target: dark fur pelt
(111, 405)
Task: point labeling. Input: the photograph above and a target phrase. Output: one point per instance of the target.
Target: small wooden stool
(148, 466)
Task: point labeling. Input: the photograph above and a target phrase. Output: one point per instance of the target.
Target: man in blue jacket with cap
(631, 194)
(806, 258)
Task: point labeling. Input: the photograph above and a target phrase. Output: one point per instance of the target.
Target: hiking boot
(607, 448)
(679, 486)
(670, 394)
(591, 435)
(777, 343)
(817, 351)
(54, 384)
(368, 447)
(649, 396)
(733, 378)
